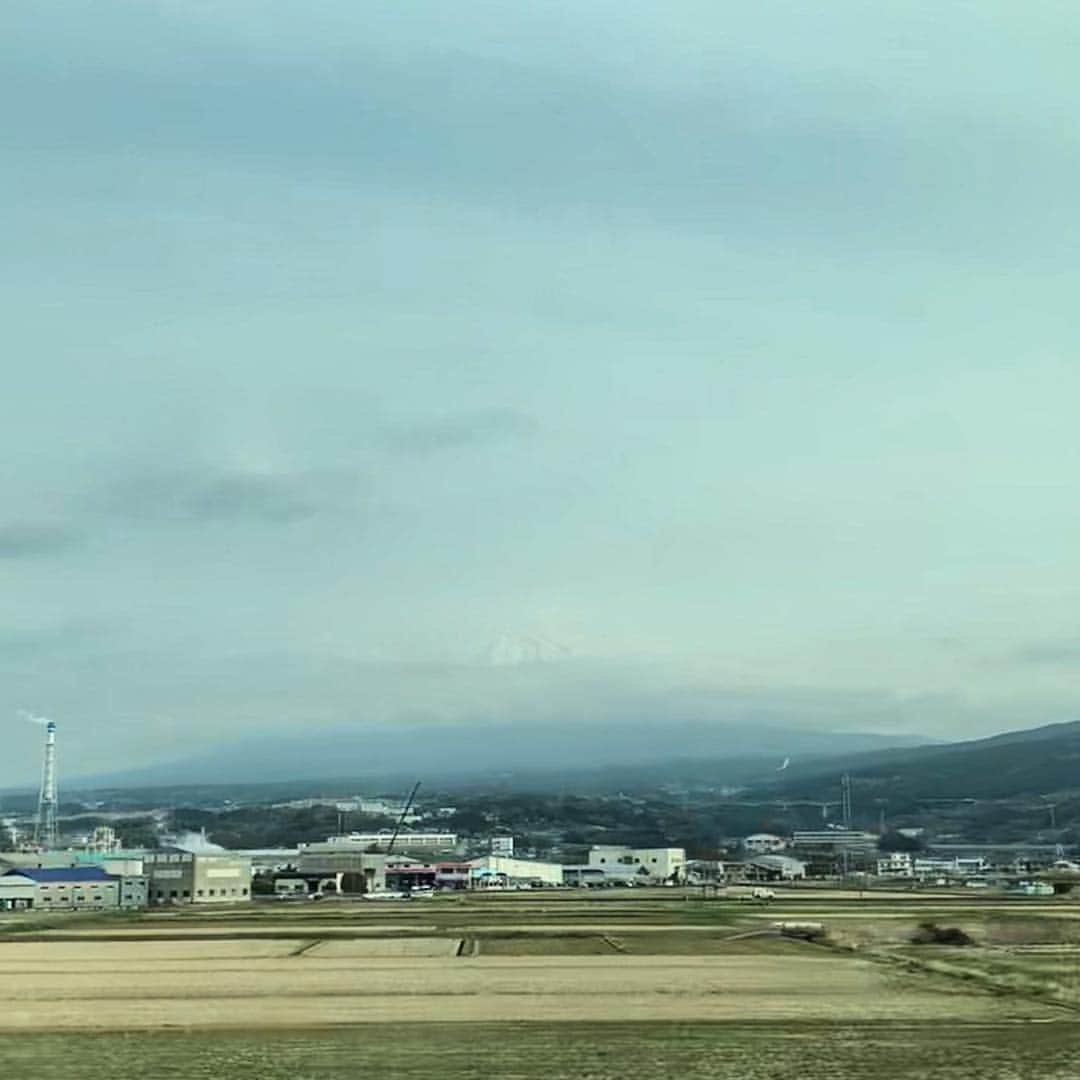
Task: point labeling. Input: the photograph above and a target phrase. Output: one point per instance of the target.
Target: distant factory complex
(49, 870)
(98, 874)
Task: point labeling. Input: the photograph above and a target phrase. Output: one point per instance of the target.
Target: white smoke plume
(33, 718)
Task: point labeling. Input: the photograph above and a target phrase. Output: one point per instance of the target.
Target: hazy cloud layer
(53, 642)
(460, 430)
(31, 541)
(1065, 652)
(206, 495)
(727, 347)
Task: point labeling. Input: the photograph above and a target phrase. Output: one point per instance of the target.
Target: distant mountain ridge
(460, 751)
(1033, 762)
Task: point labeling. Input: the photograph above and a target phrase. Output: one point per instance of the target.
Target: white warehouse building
(510, 870)
(379, 841)
(653, 864)
(764, 843)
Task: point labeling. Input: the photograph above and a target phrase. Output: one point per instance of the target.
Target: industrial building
(957, 867)
(897, 864)
(70, 888)
(764, 843)
(774, 868)
(491, 870)
(582, 875)
(122, 863)
(647, 864)
(340, 871)
(180, 877)
(406, 875)
(836, 840)
(381, 841)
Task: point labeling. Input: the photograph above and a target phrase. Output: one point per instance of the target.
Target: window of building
(198, 892)
(172, 894)
(187, 893)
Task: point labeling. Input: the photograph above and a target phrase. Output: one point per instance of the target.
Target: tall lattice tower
(45, 827)
(845, 799)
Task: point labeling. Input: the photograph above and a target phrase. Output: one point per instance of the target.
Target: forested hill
(1040, 761)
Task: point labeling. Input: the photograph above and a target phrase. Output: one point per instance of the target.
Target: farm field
(608, 1051)
(532, 986)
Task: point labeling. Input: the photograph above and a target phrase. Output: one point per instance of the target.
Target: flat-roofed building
(896, 864)
(835, 840)
(335, 870)
(647, 864)
(406, 875)
(375, 842)
(586, 876)
(764, 843)
(498, 869)
(180, 877)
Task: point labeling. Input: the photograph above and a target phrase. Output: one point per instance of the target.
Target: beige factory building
(180, 877)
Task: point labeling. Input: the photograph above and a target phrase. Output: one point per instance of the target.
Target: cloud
(58, 637)
(227, 495)
(459, 430)
(1064, 652)
(33, 541)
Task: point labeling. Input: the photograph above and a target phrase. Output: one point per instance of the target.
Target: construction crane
(404, 815)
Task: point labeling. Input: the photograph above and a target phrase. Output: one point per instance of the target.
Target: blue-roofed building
(70, 888)
(64, 873)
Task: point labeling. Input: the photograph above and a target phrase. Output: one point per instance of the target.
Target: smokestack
(45, 829)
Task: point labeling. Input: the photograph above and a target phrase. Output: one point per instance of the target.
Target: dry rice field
(66, 986)
(605, 992)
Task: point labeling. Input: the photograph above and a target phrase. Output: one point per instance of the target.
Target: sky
(378, 362)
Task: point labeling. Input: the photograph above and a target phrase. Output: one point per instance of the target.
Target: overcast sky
(351, 348)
